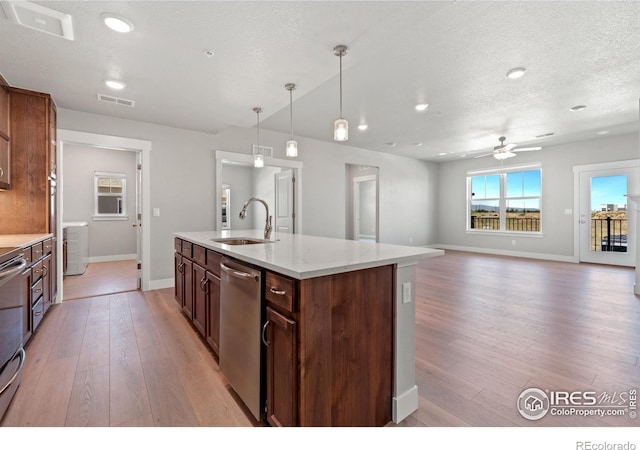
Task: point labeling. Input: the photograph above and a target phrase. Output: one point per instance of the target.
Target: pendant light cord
(291, 111)
(341, 84)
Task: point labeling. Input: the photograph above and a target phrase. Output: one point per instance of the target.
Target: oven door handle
(12, 270)
(22, 355)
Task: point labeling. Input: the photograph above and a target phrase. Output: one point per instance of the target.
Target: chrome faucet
(267, 226)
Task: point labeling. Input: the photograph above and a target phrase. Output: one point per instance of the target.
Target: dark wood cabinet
(199, 316)
(178, 289)
(25, 293)
(282, 369)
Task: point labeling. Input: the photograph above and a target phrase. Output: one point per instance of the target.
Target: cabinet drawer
(187, 249)
(280, 291)
(37, 312)
(177, 245)
(199, 255)
(47, 246)
(36, 251)
(36, 291)
(27, 255)
(37, 271)
(213, 262)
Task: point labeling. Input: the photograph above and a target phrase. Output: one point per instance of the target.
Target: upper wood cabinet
(32, 198)
(4, 111)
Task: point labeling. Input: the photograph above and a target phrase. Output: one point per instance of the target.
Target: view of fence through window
(609, 214)
(513, 197)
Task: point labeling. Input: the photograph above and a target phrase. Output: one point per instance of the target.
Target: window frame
(502, 201)
(96, 196)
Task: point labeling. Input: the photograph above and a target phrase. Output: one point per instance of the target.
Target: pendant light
(258, 158)
(340, 126)
(292, 145)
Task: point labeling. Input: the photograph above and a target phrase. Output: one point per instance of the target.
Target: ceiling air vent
(116, 100)
(39, 18)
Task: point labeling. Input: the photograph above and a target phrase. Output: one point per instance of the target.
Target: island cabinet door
(187, 301)
(199, 298)
(213, 311)
(179, 279)
(280, 336)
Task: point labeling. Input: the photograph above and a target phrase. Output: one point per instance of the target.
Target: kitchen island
(340, 320)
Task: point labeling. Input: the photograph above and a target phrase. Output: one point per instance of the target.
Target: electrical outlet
(406, 292)
(156, 212)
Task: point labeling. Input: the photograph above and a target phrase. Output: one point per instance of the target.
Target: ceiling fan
(504, 151)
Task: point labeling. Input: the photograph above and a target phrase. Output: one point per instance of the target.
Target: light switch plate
(156, 212)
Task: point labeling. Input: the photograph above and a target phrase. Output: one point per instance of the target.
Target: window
(110, 196)
(505, 200)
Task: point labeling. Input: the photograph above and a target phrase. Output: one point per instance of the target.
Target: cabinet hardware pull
(181, 267)
(37, 291)
(1, 172)
(264, 330)
(45, 271)
(38, 270)
(37, 313)
(276, 291)
(203, 284)
(22, 356)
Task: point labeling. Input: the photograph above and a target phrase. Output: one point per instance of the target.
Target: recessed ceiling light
(117, 23)
(208, 53)
(442, 154)
(363, 126)
(544, 135)
(417, 144)
(603, 132)
(421, 106)
(114, 84)
(516, 72)
(577, 108)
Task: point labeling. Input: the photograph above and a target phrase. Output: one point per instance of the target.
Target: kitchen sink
(240, 241)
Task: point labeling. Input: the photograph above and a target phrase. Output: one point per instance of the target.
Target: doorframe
(243, 158)
(139, 146)
(577, 171)
(356, 205)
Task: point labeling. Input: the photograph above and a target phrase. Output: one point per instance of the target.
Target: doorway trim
(139, 146)
(577, 170)
(355, 216)
(243, 158)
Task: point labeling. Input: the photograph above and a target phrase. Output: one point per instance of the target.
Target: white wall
(557, 195)
(239, 179)
(106, 237)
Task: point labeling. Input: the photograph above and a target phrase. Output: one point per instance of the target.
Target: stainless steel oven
(13, 288)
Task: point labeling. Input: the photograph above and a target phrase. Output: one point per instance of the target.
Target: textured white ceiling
(452, 55)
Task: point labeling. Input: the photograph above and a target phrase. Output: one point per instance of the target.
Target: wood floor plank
(89, 402)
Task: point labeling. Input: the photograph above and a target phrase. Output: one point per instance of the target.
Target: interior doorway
(126, 193)
(362, 203)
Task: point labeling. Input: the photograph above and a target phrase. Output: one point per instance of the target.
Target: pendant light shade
(340, 126)
(258, 158)
(292, 145)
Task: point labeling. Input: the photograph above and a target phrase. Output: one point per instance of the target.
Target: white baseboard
(110, 258)
(161, 284)
(404, 404)
(492, 251)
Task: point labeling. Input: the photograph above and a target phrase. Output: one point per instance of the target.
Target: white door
(606, 227)
(285, 213)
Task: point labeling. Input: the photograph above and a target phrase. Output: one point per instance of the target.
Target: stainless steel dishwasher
(241, 313)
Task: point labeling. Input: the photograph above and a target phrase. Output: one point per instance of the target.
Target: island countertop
(301, 256)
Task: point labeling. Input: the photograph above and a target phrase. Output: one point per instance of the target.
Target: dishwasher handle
(239, 274)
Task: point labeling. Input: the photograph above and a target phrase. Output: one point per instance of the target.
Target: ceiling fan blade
(509, 146)
(483, 155)
(526, 149)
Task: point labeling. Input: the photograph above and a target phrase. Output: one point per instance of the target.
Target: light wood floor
(102, 278)
(486, 328)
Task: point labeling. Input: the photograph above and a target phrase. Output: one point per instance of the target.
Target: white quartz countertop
(22, 240)
(301, 256)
